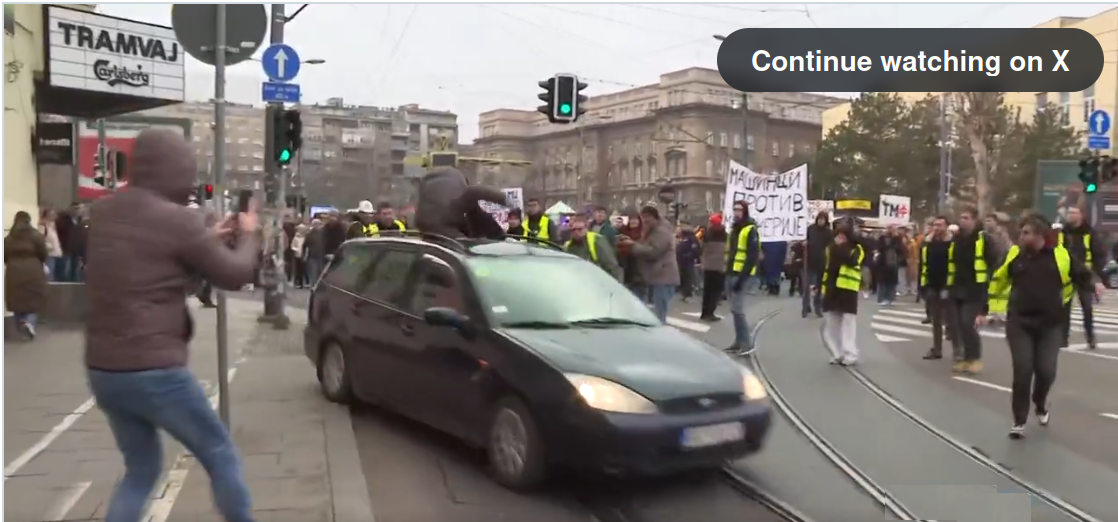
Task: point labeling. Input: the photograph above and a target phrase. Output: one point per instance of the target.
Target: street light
(312, 61)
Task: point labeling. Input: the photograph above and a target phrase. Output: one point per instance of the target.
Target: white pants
(840, 334)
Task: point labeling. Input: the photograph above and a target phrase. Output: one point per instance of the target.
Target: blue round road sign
(1098, 122)
(281, 62)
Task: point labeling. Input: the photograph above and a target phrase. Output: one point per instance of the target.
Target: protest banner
(514, 196)
(894, 210)
(777, 202)
(815, 206)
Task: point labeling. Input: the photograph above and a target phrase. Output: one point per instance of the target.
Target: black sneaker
(1092, 344)
(837, 361)
(1017, 431)
(932, 356)
(710, 318)
(926, 321)
(1043, 416)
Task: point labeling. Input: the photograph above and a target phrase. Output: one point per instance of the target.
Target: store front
(96, 66)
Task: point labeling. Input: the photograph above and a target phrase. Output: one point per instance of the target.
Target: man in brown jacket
(144, 252)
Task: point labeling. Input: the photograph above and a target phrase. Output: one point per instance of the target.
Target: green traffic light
(1091, 188)
(285, 156)
(565, 108)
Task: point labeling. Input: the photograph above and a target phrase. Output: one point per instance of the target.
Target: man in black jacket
(1087, 248)
(934, 263)
(975, 259)
(819, 237)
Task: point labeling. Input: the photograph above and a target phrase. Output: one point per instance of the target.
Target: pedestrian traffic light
(1089, 174)
(207, 192)
(287, 135)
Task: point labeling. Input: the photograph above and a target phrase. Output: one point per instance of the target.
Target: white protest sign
(815, 206)
(777, 202)
(894, 210)
(514, 196)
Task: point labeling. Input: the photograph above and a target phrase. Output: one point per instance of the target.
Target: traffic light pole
(103, 155)
(275, 188)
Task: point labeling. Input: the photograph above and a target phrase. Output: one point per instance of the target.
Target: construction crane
(443, 156)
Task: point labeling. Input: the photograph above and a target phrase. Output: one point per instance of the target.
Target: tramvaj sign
(777, 202)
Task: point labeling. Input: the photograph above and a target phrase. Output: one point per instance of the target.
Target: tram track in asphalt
(880, 494)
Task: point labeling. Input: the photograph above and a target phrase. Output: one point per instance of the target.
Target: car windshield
(554, 292)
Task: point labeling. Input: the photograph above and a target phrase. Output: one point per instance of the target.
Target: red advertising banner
(120, 134)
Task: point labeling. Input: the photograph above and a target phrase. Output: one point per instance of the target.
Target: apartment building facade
(1077, 106)
(682, 131)
(349, 152)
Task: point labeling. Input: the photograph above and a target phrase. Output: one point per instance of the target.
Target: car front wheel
(334, 372)
(516, 455)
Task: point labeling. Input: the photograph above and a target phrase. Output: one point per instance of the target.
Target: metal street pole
(944, 150)
(275, 190)
(102, 154)
(218, 175)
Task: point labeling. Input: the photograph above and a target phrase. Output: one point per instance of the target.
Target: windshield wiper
(538, 325)
(609, 321)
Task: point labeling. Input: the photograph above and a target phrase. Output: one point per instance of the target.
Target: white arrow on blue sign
(281, 62)
(1098, 123)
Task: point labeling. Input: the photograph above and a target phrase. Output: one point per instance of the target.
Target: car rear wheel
(516, 455)
(334, 372)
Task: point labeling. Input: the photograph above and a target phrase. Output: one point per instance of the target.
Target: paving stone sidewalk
(299, 451)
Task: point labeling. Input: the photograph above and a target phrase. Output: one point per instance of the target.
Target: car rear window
(526, 289)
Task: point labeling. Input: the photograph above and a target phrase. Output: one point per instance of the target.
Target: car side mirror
(449, 317)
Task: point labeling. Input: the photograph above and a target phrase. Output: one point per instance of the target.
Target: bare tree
(988, 128)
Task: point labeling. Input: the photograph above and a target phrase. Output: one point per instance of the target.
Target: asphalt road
(960, 466)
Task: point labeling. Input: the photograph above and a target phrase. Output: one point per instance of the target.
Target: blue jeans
(886, 293)
(661, 298)
(813, 299)
(28, 319)
(56, 266)
(742, 336)
(313, 268)
(138, 405)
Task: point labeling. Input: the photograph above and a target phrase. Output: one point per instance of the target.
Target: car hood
(659, 363)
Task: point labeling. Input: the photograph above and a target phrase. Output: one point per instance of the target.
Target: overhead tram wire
(526, 42)
(592, 43)
(753, 9)
(612, 20)
(395, 48)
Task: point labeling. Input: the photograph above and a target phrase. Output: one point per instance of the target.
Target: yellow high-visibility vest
(924, 265)
(742, 251)
(849, 277)
(592, 242)
(1001, 285)
(374, 230)
(980, 267)
(1086, 245)
(544, 231)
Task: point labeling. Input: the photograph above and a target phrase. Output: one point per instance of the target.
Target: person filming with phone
(146, 249)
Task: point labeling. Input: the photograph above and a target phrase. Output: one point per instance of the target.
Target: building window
(776, 148)
(638, 174)
(723, 140)
(1088, 102)
(10, 19)
(791, 150)
(710, 168)
(1065, 105)
(737, 141)
(652, 171)
(749, 144)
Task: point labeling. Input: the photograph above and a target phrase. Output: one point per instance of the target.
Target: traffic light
(548, 96)
(99, 170)
(207, 192)
(118, 165)
(287, 135)
(580, 99)
(1089, 174)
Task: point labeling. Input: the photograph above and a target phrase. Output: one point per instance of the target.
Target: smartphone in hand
(244, 198)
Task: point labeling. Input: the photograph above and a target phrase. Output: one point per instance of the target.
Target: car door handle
(407, 329)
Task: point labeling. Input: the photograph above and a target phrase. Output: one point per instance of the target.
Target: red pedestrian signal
(209, 191)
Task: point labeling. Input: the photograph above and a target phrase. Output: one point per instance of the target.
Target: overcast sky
(470, 58)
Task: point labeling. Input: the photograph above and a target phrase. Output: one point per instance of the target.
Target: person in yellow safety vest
(1031, 290)
(1080, 240)
(515, 224)
(842, 281)
(362, 225)
(743, 255)
(385, 220)
(937, 274)
(538, 225)
(973, 259)
(592, 246)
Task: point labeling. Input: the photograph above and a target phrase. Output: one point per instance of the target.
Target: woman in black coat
(25, 279)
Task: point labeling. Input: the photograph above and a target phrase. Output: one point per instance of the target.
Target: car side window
(436, 284)
(384, 281)
(351, 262)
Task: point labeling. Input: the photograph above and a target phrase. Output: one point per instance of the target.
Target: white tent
(559, 209)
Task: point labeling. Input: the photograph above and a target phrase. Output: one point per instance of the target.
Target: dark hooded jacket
(449, 206)
(144, 252)
(25, 284)
(819, 237)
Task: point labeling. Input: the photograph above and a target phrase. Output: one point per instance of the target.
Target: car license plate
(713, 435)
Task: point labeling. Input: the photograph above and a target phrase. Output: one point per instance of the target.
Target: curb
(349, 492)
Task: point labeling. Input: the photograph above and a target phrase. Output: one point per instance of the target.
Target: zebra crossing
(904, 322)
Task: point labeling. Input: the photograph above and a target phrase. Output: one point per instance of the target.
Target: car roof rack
(458, 245)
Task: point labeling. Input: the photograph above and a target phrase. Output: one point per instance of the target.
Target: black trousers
(1086, 304)
(687, 280)
(966, 343)
(714, 283)
(1034, 350)
(938, 309)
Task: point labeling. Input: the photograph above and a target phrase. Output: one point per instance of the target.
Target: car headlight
(604, 395)
(752, 388)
